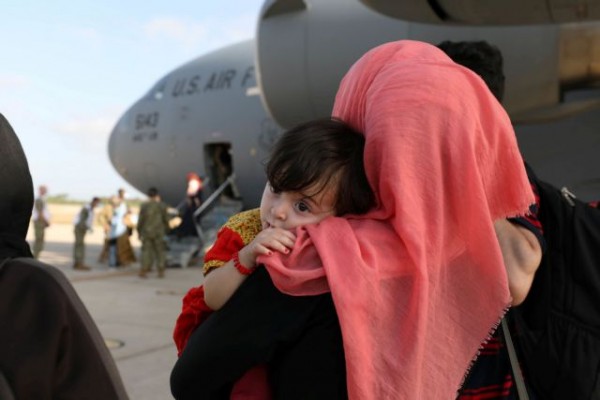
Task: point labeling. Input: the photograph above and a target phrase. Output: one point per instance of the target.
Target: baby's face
(288, 210)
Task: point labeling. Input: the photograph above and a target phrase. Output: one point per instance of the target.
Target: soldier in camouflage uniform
(83, 223)
(153, 225)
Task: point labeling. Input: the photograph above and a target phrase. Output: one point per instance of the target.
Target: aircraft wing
(489, 12)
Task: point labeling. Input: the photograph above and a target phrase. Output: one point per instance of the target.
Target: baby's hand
(268, 240)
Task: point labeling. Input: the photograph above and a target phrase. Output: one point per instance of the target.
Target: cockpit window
(158, 91)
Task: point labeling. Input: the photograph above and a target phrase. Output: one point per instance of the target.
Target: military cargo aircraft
(218, 115)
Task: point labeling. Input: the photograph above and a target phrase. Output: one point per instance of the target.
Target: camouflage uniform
(153, 225)
(81, 228)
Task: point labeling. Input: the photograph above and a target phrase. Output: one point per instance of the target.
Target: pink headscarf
(418, 282)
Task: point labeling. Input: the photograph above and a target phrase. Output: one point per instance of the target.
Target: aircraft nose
(114, 141)
(112, 144)
(122, 153)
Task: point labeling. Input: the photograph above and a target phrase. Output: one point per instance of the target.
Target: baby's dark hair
(320, 153)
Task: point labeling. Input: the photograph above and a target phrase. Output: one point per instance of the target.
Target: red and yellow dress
(237, 232)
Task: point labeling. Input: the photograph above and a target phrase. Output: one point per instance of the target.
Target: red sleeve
(193, 311)
(228, 242)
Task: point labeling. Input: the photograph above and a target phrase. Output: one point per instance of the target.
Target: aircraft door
(219, 165)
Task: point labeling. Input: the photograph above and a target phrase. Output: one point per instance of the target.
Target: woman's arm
(522, 255)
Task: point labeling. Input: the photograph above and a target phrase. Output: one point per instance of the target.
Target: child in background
(316, 170)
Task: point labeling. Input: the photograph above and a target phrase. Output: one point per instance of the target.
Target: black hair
(482, 58)
(320, 153)
(152, 192)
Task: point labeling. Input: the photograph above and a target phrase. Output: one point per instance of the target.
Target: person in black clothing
(50, 347)
(193, 200)
(491, 375)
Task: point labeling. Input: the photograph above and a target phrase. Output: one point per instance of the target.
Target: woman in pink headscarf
(419, 282)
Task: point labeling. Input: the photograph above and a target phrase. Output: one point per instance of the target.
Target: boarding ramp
(208, 218)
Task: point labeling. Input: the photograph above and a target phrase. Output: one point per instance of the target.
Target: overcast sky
(70, 69)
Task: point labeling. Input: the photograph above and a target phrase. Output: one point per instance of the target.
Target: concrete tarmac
(136, 316)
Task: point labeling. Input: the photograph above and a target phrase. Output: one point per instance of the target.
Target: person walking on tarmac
(116, 220)
(41, 220)
(83, 223)
(187, 208)
(152, 226)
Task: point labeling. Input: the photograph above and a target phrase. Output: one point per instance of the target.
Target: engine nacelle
(303, 50)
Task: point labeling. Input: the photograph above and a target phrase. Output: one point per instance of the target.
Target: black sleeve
(50, 346)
